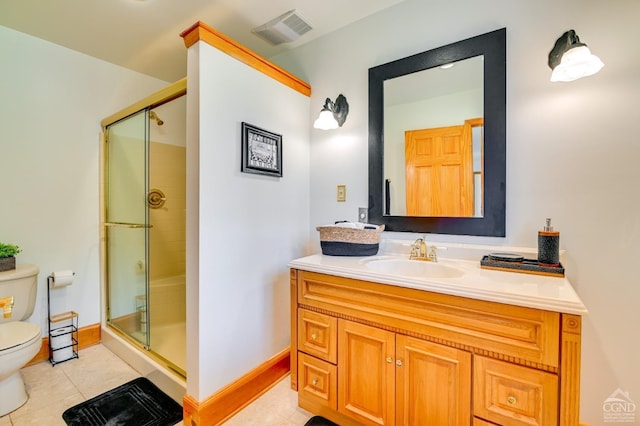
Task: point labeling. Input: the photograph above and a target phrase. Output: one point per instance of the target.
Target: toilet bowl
(20, 341)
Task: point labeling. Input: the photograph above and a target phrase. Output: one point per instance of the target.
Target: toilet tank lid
(17, 333)
(21, 271)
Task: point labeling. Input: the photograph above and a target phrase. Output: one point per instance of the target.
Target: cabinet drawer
(511, 394)
(317, 381)
(522, 334)
(317, 335)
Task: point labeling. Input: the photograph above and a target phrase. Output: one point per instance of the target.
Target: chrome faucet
(420, 251)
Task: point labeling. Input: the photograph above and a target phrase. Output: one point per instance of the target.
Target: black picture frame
(261, 151)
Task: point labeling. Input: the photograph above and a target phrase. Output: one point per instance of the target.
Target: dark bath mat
(137, 403)
(319, 421)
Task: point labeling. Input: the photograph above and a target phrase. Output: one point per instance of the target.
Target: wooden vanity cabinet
(372, 354)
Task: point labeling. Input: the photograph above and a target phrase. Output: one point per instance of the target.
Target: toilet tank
(22, 284)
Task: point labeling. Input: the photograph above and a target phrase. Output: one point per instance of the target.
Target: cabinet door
(433, 383)
(366, 373)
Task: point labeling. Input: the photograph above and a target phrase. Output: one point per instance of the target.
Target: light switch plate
(342, 193)
(363, 215)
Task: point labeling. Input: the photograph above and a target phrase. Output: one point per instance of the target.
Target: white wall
(572, 149)
(242, 229)
(51, 102)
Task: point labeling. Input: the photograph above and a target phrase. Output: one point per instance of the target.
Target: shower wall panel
(167, 237)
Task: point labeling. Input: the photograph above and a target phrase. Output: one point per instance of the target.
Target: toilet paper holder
(62, 327)
(60, 279)
(63, 337)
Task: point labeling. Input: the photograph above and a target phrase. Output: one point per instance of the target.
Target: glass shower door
(127, 226)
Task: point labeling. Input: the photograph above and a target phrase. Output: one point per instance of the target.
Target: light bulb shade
(325, 121)
(333, 114)
(576, 63)
(570, 59)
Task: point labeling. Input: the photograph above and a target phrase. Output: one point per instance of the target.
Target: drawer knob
(389, 360)
(315, 382)
(512, 400)
(314, 336)
(399, 363)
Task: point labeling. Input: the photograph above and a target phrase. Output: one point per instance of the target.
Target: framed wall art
(261, 151)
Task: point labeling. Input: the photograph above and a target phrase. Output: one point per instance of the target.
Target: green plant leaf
(8, 250)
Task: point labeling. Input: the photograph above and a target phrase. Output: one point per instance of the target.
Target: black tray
(527, 266)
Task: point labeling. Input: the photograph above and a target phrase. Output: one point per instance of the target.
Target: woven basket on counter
(339, 241)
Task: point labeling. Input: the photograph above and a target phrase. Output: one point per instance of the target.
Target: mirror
(433, 141)
(414, 99)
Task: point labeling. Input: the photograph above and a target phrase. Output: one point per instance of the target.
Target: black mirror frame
(493, 46)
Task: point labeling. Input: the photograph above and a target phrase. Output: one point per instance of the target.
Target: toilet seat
(16, 334)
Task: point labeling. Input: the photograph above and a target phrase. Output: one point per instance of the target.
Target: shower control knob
(156, 198)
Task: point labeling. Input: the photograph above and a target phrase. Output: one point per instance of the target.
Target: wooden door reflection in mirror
(441, 165)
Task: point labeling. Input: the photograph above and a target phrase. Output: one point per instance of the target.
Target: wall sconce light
(333, 114)
(570, 59)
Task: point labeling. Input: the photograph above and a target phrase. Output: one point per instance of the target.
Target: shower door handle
(127, 225)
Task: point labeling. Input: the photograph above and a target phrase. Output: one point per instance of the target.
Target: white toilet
(20, 341)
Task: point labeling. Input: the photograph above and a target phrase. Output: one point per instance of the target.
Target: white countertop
(514, 288)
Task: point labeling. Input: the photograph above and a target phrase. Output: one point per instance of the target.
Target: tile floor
(54, 389)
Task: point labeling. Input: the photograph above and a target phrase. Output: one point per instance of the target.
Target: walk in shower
(144, 218)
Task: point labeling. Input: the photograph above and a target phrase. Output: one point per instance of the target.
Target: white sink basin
(413, 268)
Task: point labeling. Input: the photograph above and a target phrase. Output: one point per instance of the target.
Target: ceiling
(144, 35)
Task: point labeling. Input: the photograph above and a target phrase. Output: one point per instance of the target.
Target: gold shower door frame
(131, 326)
(127, 225)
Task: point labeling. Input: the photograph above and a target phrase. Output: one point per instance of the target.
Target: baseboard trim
(229, 400)
(87, 336)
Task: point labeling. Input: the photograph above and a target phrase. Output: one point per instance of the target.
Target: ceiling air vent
(284, 29)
